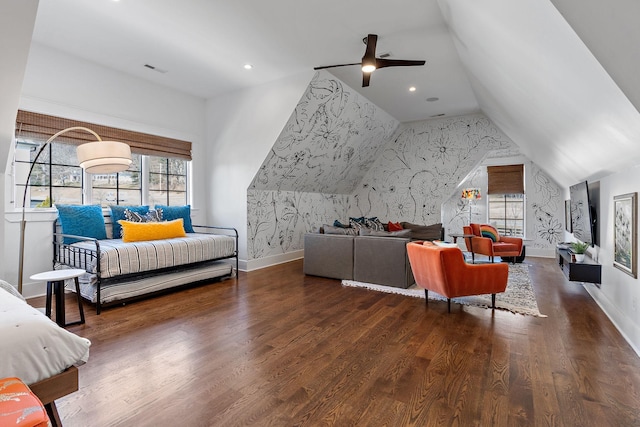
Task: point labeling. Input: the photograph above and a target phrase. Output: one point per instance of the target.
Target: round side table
(55, 283)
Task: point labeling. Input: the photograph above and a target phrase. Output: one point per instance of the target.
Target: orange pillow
(489, 231)
(143, 231)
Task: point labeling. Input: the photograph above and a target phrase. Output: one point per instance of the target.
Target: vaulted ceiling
(521, 63)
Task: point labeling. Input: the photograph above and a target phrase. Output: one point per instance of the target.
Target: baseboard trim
(613, 314)
(268, 261)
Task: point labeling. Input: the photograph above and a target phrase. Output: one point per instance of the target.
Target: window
(122, 188)
(506, 199)
(167, 181)
(56, 175)
(158, 174)
(506, 213)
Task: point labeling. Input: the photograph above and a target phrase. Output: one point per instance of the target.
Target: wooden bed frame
(55, 387)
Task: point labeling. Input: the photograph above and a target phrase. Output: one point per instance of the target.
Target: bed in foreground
(38, 351)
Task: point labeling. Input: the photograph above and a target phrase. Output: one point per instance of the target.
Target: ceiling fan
(370, 62)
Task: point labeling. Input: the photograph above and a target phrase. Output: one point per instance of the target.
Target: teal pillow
(81, 220)
(117, 213)
(169, 213)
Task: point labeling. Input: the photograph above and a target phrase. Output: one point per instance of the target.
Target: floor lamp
(94, 157)
(471, 195)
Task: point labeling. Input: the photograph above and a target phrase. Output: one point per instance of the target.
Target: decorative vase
(579, 257)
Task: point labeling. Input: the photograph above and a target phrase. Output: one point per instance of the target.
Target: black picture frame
(567, 216)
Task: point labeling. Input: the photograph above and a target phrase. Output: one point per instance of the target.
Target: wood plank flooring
(275, 347)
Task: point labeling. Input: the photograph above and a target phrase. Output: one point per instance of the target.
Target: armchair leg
(493, 300)
(426, 297)
(449, 305)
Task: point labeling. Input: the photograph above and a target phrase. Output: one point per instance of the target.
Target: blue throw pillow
(81, 220)
(117, 213)
(169, 213)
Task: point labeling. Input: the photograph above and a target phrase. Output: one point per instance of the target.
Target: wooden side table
(465, 236)
(55, 283)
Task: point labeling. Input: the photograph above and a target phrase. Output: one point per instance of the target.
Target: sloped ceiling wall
(329, 143)
(537, 81)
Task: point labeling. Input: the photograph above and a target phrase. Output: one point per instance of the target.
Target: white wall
(62, 85)
(16, 26)
(241, 129)
(619, 293)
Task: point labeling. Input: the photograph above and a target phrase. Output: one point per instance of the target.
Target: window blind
(507, 179)
(42, 127)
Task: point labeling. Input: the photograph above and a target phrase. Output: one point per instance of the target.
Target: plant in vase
(579, 249)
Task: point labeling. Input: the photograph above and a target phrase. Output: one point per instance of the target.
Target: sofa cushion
(169, 213)
(490, 232)
(153, 215)
(424, 232)
(399, 233)
(81, 220)
(117, 213)
(347, 231)
(501, 247)
(143, 231)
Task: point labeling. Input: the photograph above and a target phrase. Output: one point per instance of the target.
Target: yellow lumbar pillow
(141, 231)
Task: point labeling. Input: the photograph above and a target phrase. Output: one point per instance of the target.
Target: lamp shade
(471, 194)
(104, 156)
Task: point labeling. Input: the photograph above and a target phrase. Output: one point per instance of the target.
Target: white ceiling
(518, 62)
(203, 45)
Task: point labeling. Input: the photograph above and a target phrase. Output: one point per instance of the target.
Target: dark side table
(455, 236)
(55, 284)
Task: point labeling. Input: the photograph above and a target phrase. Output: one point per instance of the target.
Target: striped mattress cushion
(118, 258)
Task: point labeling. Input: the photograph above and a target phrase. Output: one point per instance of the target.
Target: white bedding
(118, 258)
(32, 346)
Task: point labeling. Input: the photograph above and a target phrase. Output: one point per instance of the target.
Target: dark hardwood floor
(275, 347)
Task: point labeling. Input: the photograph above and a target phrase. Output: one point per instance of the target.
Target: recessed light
(248, 66)
(432, 99)
(412, 89)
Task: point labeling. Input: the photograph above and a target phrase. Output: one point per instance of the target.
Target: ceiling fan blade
(365, 79)
(381, 62)
(370, 53)
(333, 66)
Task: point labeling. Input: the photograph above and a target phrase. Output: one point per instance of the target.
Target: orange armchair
(506, 246)
(443, 270)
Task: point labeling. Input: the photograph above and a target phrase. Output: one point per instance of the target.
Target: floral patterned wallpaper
(329, 142)
(338, 156)
(422, 166)
(278, 220)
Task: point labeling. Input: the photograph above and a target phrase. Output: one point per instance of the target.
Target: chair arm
(513, 240)
(482, 245)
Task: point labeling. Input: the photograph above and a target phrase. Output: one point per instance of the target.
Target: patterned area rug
(518, 297)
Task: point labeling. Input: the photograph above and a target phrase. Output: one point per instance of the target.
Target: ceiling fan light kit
(370, 63)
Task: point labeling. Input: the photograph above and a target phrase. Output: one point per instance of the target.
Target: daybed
(370, 256)
(39, 352)
(119, 270)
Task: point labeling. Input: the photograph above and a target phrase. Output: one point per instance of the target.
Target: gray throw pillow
(330, 229)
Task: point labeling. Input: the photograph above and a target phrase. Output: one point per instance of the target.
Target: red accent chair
(507, 246)
(443, 270)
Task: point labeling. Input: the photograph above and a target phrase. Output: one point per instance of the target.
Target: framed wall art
(625, 232)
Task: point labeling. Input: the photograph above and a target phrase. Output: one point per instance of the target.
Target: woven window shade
(42, 127)
(506, 179)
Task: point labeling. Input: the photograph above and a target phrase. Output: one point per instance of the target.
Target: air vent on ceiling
(151, 67)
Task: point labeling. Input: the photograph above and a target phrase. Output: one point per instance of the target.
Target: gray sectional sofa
(365, 258)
